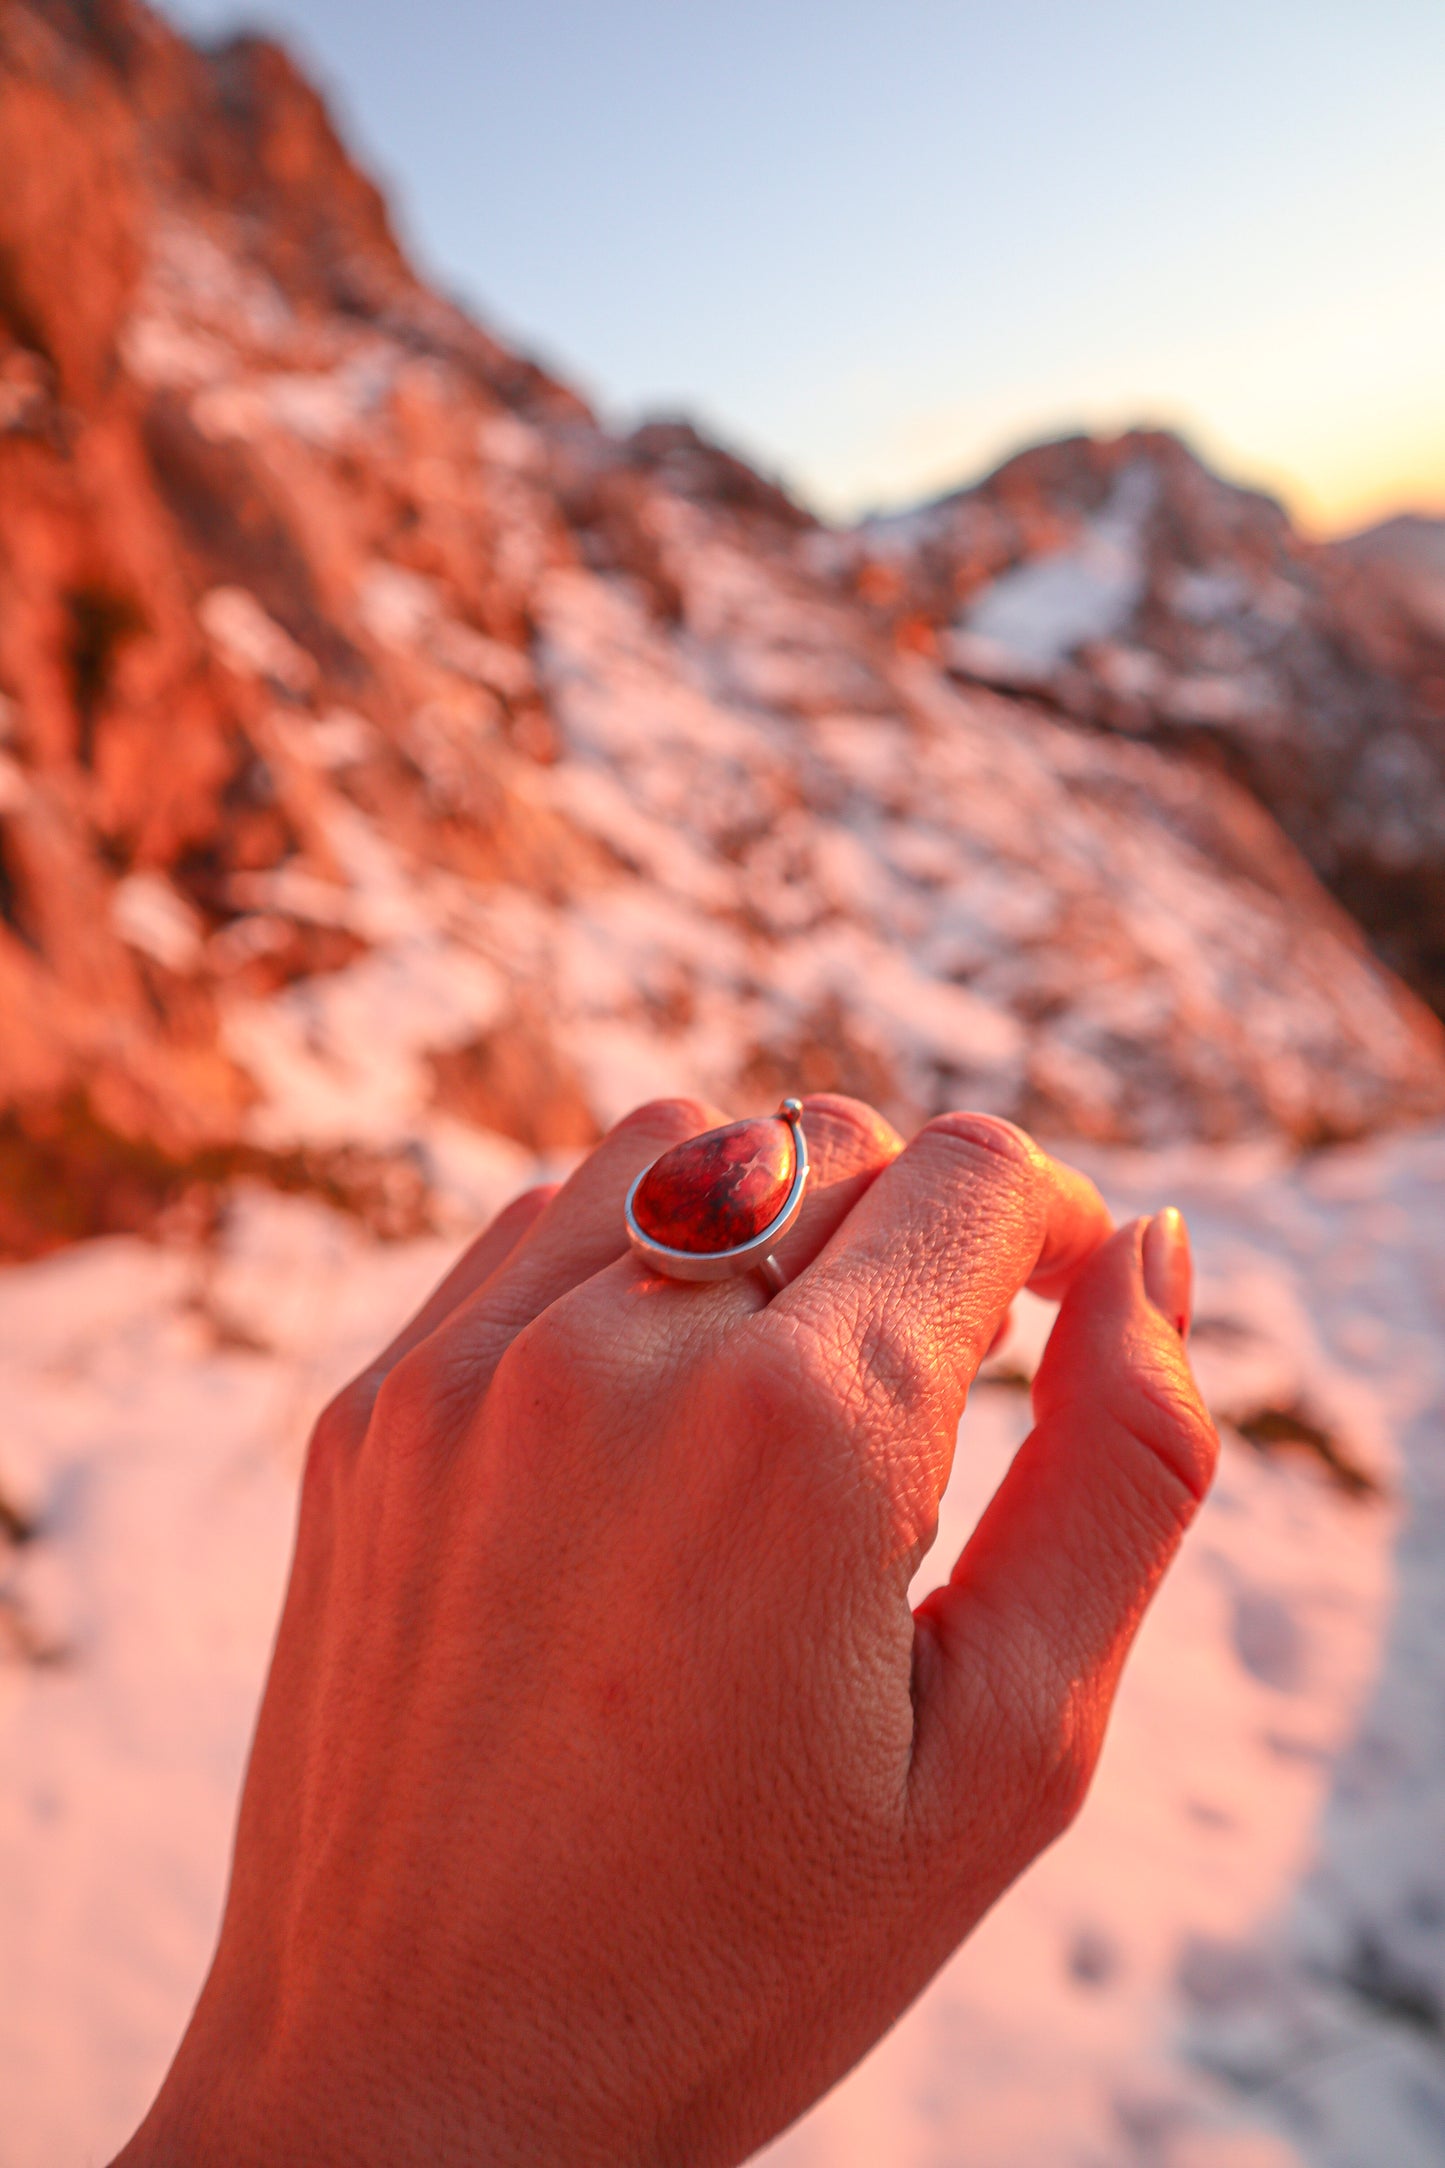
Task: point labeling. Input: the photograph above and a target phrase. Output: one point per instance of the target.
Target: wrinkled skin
(607, 1801)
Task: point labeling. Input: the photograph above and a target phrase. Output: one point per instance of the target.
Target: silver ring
(754, 1255)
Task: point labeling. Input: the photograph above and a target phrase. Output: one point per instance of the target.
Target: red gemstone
(718, 1189)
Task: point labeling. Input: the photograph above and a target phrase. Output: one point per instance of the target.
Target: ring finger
(582, 1233)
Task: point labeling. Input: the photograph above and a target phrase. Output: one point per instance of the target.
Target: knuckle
(341, 1425)
(1162, 1412)
(898, 1363)
(524, 1209)
(845, 1134)
(797, 1384)
(861, 1362)
(840, 1373)
(412, 1402)
(989, 1136)
(1063, 1771)
(786, 1405)
(559, 1359)
(989, 1156)
(791, 1422)
(1054, 1750)
(551, 1343)
(670, 1120)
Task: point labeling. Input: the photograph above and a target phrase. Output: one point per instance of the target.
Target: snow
(148, 912)
(761, 835)
(1209, 595)
(1178, 1984)
(340, 1057)
(397, 607)
(404, 610)
(784, 833)
(252, 642)
(505, 441)
(159, 352)
(1039, 612)
(338, 739)
(325, 407)
(1221, 699)
(190, 275)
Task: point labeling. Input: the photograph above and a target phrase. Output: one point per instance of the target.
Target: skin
(607, 1801)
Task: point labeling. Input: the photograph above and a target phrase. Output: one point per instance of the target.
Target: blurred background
(878, 251)
(550, 556)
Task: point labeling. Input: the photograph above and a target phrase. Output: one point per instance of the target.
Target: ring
(713, 1207)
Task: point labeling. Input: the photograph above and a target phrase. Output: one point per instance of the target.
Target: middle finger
(894, 1316)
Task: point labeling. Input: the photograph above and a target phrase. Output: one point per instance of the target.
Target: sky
(876, 245)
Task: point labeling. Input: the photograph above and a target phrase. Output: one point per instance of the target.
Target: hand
(607, 1802)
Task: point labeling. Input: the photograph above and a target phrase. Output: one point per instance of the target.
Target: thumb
(1019, 1656)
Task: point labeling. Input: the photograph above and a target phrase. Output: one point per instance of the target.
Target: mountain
(1407, 555)
(401, 772)
(1140, 594)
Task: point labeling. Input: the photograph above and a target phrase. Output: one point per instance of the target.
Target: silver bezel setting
(743, 1256)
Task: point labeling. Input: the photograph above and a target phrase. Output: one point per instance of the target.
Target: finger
(579, 1232)
(485, 1256)
(547, 1240)
(1025, 1644)
(342, 1425)
(584, 1229)
(898, 1309)
(849, 1143)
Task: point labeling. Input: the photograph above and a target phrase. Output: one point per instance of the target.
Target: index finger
(902, 1303)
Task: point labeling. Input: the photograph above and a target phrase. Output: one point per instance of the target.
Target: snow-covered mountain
(395, 761)
(1140, 594)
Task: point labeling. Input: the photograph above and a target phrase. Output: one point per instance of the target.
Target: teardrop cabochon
(717, 1195)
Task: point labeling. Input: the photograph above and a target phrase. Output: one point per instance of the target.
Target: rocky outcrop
(1137, 592)
(397, 769)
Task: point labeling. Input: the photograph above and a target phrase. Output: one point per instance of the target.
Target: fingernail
(1169, 1268)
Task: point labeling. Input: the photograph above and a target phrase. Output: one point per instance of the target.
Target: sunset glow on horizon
(1332, 480)
(876, 253)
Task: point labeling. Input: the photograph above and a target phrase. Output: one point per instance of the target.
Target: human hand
(607, 1801)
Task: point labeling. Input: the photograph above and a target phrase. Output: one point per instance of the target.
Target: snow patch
(1040, 612)
(147, 912)
(252, 642)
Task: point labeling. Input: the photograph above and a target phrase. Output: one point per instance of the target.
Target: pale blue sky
(877, 246)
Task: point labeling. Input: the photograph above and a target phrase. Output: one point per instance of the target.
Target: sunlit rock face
(1135, 591)
(397, 771)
